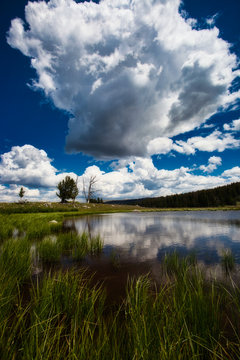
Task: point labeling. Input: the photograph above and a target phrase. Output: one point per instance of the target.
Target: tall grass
(81, 247)
(62, 315)
(228, 261)
(65, 317)
(96, 245)
(85, 245)
(49, 250)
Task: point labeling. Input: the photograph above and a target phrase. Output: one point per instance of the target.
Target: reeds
(66, 317)
(228, 261)
(52, 247)
(86, 245)
(62, 315)
(49, 250)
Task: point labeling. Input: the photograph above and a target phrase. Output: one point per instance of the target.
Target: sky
(142, 94)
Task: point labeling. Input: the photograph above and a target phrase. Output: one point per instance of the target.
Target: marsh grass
(85, 245)
(81, 247)
(31, 226)
(67, 241)
(52, 247)
(49, 250)
(66, 317)
(228, 261)
(181, 320)
(96, 245)
(174, 264)
(63, 315)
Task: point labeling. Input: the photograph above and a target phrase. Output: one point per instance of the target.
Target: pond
(136, 243)
(140, 237)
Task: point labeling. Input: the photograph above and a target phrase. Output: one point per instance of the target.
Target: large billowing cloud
(127, 71)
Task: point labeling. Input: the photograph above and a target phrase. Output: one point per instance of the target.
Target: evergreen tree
(21, 193)
(67, 189)
(75, 191)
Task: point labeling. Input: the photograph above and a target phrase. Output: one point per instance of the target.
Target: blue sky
(144, 95)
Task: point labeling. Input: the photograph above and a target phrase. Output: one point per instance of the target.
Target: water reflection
(148, 236)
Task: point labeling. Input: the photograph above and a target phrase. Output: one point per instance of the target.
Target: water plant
(81, 247)
(49, 249)
(67, 241)
(63, 315)
(66, 317)
(85, 245)
(227, 261)
(96, 245)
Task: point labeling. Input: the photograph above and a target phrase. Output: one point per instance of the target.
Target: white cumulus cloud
(27, 165)
(213, 163)
(216, 141)
(127, 71)
(234, 126)
(140, 178)
(233, 174)
(129, 178)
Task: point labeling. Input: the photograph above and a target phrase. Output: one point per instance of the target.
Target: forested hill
(220, 196)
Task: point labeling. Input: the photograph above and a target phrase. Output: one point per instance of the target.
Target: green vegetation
(31, 226)
(65, 315)
(228, 195)
(21, 193)
(228, 261)
(174, 264)
(49, 250)
(75, 208)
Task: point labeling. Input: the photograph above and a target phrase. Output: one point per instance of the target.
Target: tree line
(219, 196)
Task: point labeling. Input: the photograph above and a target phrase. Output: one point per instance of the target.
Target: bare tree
(89, 189)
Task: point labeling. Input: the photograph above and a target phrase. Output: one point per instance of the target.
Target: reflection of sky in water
(149, 235)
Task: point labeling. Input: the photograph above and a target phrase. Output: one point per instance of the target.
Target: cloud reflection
(147, 236)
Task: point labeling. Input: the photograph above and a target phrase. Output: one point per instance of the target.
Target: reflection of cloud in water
(145, 235)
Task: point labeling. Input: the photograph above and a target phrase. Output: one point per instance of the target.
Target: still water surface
(140, 237)
(135, 243)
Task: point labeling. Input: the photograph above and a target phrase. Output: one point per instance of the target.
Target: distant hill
(219, 196)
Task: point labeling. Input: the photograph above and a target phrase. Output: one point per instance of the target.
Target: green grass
(66, 317)
(62, 315)
(81, 247)
(31, 226)
(85, 245)
(176, 265)
(228, 261)
(51, 207)
(96, 245)
(49, 250)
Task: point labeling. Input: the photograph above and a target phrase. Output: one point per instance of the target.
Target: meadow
(63, 314)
